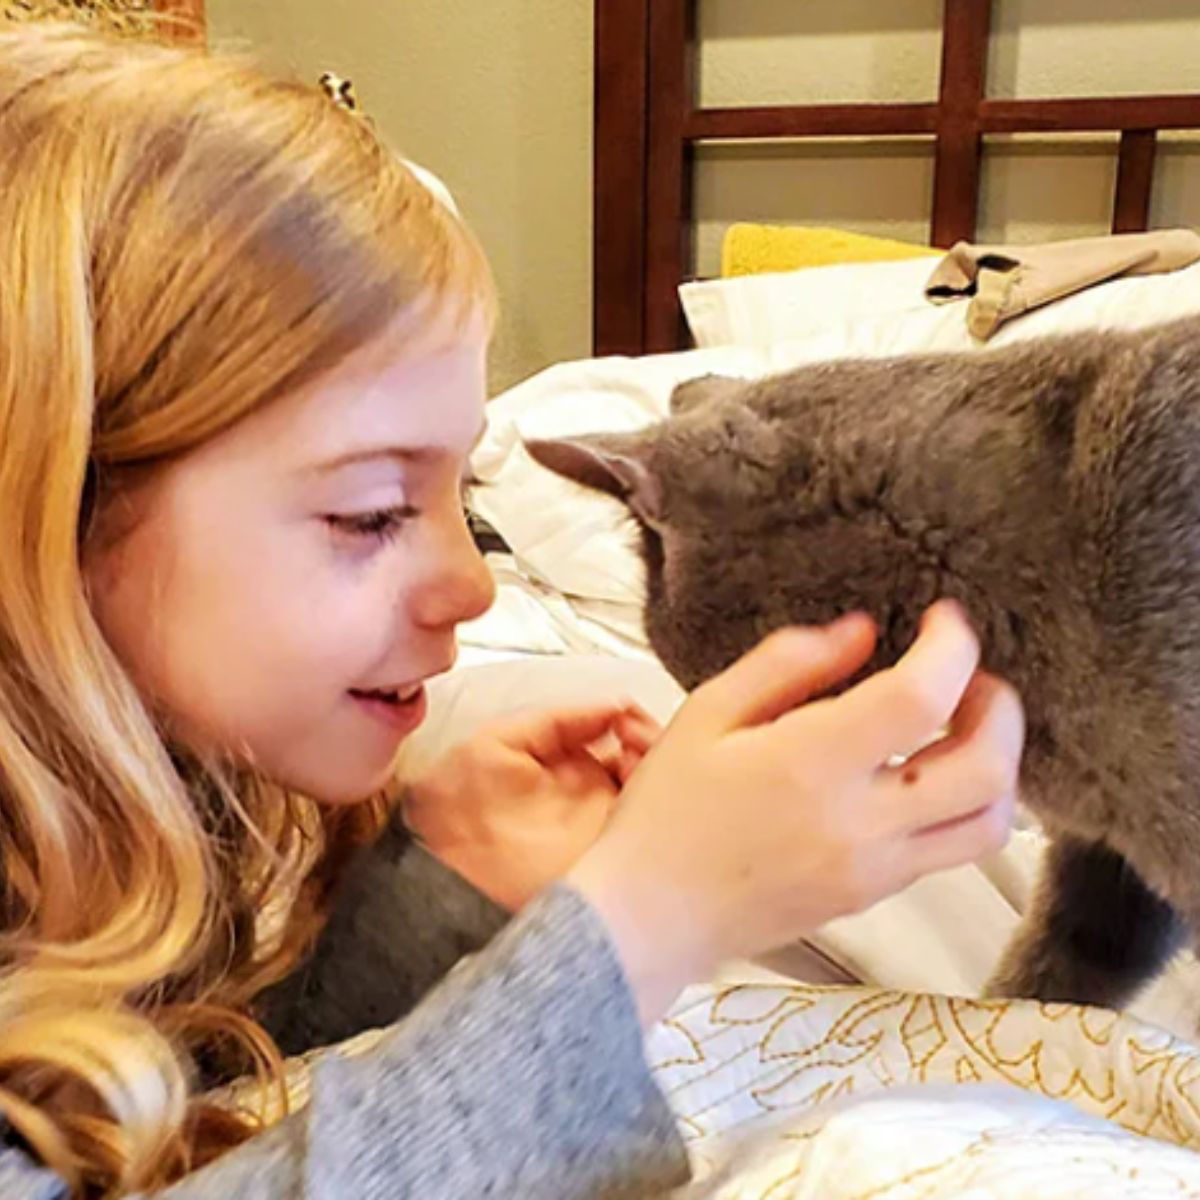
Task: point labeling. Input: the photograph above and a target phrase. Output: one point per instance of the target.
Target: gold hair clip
(340, 91)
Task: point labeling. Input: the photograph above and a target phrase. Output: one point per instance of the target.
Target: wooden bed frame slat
(812, 120)
(671, 85)
(648, 122)
(1082, 115)
(956, 164)
(1135, 179)
(619, 168)
(1090, 114)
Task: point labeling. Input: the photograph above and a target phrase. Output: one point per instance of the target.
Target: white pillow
(875, 309)
(579, 542)
(756, 310)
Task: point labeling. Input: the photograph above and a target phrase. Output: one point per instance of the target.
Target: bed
(855, 1064)
(649, 125)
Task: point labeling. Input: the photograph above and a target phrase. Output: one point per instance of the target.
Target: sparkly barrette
(340, 91)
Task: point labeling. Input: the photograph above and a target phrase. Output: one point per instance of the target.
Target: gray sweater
(400, 921)
(520, 1074)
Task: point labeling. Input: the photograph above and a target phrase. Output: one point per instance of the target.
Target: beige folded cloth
(1005, 281)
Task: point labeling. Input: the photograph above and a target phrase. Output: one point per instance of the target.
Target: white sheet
(531, 617)
(973, 1143)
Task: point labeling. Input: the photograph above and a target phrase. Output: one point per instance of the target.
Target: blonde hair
(183, 240)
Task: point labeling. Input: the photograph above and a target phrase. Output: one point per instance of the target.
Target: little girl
(241, 369)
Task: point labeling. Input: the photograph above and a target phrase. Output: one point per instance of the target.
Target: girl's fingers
(618, 764)
(627, 763)
(902, 707)
(621, 760)
(636, 729)
(975, 764)
(552, 735)
(962, 841)
(783, 671)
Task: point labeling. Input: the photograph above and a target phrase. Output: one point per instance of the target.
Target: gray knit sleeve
(400, 921)
(522, 1074)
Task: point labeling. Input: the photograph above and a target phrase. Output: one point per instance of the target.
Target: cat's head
(752, 513)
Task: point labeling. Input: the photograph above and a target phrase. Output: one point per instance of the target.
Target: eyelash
(384, 524)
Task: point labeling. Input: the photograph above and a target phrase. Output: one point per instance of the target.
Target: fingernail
(848, 621)
(942, 608)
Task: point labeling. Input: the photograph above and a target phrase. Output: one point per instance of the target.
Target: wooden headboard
(647, 122)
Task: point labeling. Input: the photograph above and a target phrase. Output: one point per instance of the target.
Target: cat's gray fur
(1054, 489)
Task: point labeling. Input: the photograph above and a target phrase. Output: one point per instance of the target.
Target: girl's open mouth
(401, 709)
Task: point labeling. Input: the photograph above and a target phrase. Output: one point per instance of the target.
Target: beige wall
(764, 52)
(495, 95)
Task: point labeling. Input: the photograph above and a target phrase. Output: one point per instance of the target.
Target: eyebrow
(404, 454)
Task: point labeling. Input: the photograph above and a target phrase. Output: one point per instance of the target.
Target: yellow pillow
(756, 249)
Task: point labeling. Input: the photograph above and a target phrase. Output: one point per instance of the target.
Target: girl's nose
(460, 588)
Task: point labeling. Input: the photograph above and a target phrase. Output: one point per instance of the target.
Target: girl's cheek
(373, 603)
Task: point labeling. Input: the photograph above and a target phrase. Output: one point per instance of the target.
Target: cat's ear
(615, 463)
(705, 389)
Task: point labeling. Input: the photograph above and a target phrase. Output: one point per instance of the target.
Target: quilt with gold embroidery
(787, 1092)
(793, 1092)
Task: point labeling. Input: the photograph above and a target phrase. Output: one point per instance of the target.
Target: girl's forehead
(413, 394)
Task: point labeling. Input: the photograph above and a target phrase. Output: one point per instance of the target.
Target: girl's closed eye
(381, 524)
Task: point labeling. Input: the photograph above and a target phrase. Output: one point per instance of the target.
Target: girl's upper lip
(407, 685)
(401, 689)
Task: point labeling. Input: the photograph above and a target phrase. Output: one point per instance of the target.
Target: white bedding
(943, 1142)
(531, 617)
(879, 308)
(790, 1092)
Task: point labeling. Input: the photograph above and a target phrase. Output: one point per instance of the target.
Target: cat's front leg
(1093, 934)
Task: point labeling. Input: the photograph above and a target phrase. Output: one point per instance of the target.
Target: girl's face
(282, 592)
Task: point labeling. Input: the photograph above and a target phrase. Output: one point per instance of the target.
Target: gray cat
(1054, 489)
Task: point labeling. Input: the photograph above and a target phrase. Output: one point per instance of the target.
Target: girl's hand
(513, 808)
(762, 812)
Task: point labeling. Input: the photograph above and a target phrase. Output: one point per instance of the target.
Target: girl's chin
(346, 765)
(355, 791)
(342, 790)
